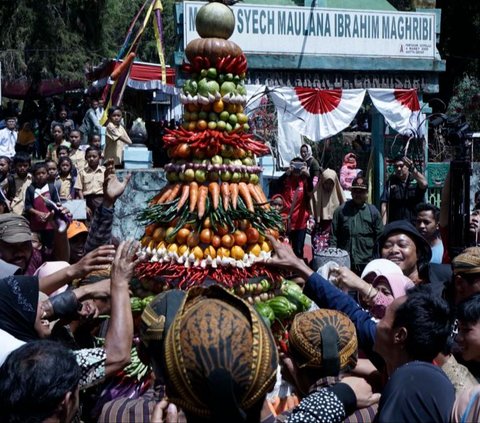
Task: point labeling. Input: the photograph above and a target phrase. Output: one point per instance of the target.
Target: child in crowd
(95, 141)
(89, 182)
(66, 179)
(52, 171)
(7, 183)
(62, 151)
(22, 179)
(58, 139)
(36, 210)
(76, 154)
(116, 137)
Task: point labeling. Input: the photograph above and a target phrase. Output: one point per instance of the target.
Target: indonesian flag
(312, 112)
(401, 110)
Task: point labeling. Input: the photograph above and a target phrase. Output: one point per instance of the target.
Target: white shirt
(8, 139)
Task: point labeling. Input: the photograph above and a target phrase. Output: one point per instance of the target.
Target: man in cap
(356, 226)
(77, 234)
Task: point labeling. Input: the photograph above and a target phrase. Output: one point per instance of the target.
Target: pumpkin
(213, 48)
(215, 20)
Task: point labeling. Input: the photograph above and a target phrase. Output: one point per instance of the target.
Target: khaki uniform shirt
(90, 181)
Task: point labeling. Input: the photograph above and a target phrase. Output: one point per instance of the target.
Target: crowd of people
(391, 338)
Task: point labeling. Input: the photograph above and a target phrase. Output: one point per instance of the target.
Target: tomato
(182, 235)
(216, 241)
(150, 229)
(237, 252)
(240, 238)
(193, 239)
(182, 151)
(228, 241)
(206, 236)
(252, 235)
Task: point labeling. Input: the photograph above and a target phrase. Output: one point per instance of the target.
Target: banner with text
(262, 29)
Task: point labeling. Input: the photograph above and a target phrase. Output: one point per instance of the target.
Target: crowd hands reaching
(378, 345)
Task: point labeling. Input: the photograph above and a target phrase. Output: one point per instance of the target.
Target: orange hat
(76, 228)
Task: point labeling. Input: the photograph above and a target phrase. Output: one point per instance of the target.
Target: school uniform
(90, 182)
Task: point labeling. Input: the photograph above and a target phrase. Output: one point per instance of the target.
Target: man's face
(359, 196)
(401, 169)
(385, 336)
(63, 115)
(427, 225)
(94, 104)
(474, 226)
(17, 253)
(468, 339)
(22, 169)
(466, 286)
(401, 249)
(11, 124)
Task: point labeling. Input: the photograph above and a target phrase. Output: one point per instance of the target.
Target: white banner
(267, 29)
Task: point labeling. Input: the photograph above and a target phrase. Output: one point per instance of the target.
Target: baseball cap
(76, 228)
(14, 228)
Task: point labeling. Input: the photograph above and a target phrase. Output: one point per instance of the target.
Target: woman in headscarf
(313, 166)
(27, 318)
(326, 198)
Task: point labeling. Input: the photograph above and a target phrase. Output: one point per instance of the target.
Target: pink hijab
(399, 284)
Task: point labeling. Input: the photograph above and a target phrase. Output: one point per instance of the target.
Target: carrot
(123, 67)
(165, 195)
(158, 196)
(234, 195)
(255, 195)
(214, 189)
(266, 203)
(245, 194)
(184, 196)
(174, 193)
(202, 199)
(193, 196)
(225, 194)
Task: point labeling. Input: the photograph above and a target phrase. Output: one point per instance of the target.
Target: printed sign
(267, 29)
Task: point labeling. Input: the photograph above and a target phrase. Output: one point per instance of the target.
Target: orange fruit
(231, 108)
(255, 249)
(223, 252)
(240, 238)
(191, 126)
(228, 241)
(182, 235)
(207, 223)
(210, 251)
(197, 252)
(237, 252)
(202, 125)
(218, 106)
(252, 235)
